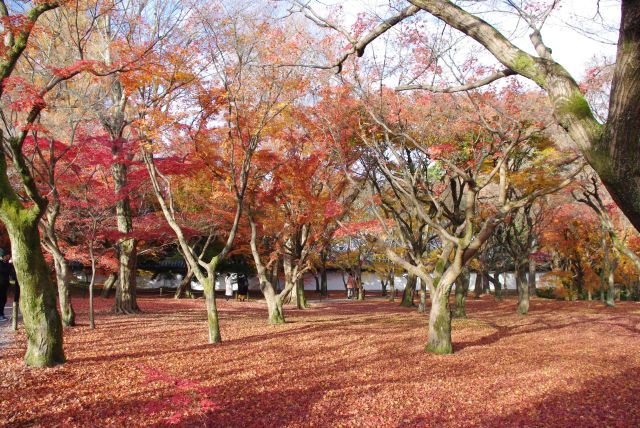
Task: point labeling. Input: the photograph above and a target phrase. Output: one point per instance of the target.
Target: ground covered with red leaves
(340, 363)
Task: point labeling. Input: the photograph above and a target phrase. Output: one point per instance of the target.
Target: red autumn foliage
(337, 364)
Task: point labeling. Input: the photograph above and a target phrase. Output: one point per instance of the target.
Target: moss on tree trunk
(38, 298)
(212, 311)
(439, 339)
(274, 306)
(301, 299)
(409, 290)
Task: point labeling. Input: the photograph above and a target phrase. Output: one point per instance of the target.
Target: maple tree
(590, 195)
(205, 131)
(441, 176)
(609, 147)
(24, 101)
(138, 34)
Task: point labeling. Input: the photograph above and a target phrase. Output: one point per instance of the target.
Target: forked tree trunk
(287, 298)
(439, 339)
(409, 290)
(108, 285)
(64, 293)
(462, 288)
(274, 304)
(383, 286)
(523, 289)
(38, 300)
(185, 285)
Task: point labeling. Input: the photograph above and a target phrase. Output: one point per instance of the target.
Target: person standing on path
(350, 286)
(7, 272)
(228, 287)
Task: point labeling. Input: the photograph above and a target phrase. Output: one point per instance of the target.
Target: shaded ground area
(341, 363)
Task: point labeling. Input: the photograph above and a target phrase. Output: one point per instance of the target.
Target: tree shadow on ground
(610, 400)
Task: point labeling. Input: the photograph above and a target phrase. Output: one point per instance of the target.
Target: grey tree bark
(109, 284)
(462, 288)
(523, 287)
(409, 291)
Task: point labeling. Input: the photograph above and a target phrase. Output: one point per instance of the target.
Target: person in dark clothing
(7, 273)
(243, 287)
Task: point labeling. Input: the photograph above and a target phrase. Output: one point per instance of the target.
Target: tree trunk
(462, 288)
(608, 271)
(38, 300)
(477, 288)
(409, 290)
(127, 252)
(611, 289)
(439, 339)
(497, 285)
(486, 283)
(301, 299)
(617, 159)
(323, 281)
(383, 286)
(212, 311)
(273, 276)
(422, 306)
(287, 298)
(274, 305)
(392, 287)
(523, 289)
(531, 279)
(14, 314)
(185, 285)
(64, 295)
(126, 291)
(109, 284)
(358, 279)
(92, 324)
(317, 280)
(611, 150)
